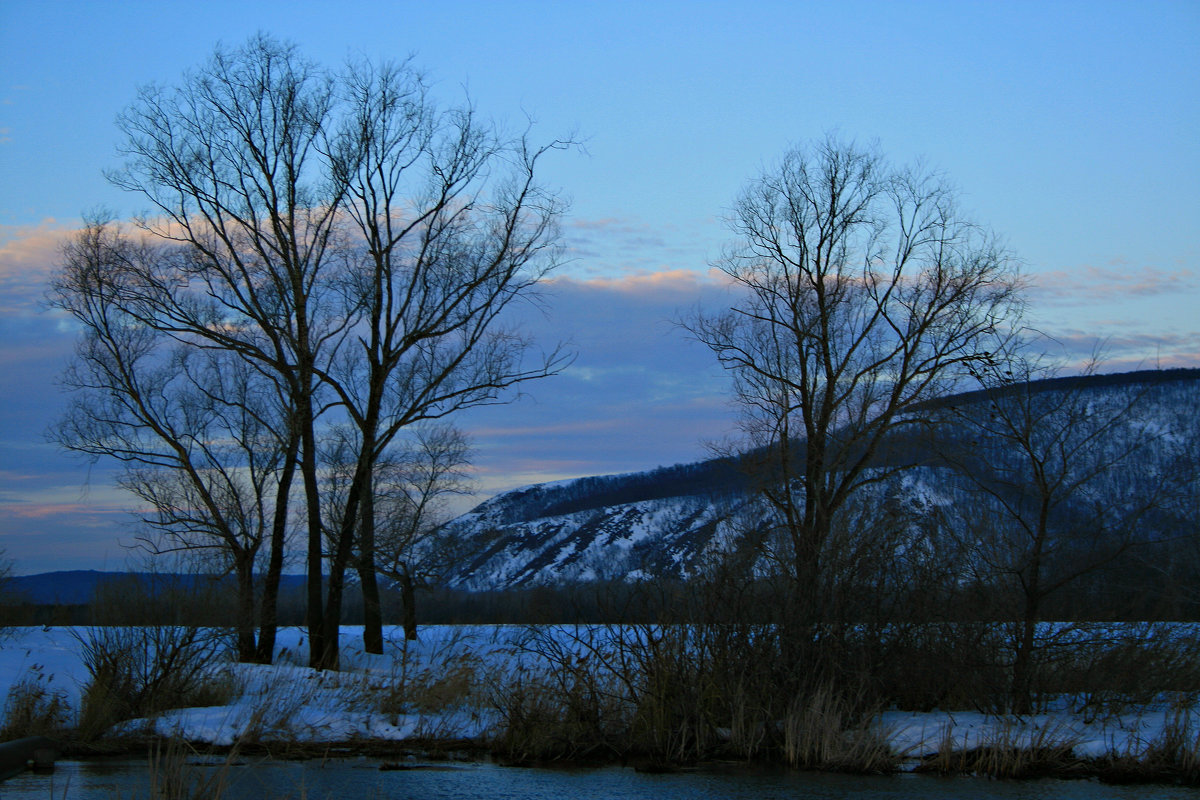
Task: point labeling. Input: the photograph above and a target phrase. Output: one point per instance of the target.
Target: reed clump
(1011, 748)
(1171, 757)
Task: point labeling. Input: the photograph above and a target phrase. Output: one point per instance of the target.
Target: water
(361, 779)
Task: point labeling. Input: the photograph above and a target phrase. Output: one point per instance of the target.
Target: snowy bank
(441, 688)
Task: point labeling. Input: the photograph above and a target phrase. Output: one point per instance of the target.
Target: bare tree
(229, 162)
(861, 290)
(412, 492)
(194, 428)
(1061, 484)
(451, 229)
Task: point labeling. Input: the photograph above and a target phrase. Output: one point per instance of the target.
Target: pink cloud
(685, 283)
(45, 510)
(28, 257)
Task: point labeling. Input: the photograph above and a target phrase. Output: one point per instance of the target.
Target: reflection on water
(362, 779)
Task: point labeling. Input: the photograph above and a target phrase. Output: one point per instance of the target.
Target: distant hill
(78, 587)
(663, 522)
(75, 587)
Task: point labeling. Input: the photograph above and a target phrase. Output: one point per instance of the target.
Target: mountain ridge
(599, 527)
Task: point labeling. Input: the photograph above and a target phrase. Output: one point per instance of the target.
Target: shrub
(141, 671)
(34, 708)
(1132, 664)
(567, 704)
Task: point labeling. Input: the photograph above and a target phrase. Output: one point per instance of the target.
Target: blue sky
(1072, 128)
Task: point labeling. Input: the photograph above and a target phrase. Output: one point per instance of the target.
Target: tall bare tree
(451, 229)
(860, 290)
(229, 161)
(355, 247)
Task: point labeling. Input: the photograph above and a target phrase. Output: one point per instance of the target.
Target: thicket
(706, 684)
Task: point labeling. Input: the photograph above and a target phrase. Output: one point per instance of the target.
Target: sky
(1072, 130)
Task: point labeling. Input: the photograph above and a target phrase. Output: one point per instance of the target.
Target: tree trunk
(372, 610)
(244, 569)
(1022, 677)
(317, 636)
(340, 560)
(329, 657)
(269, 609)
(409, 598)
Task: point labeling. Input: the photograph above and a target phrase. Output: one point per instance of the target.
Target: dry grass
(822, 731)
(1172, 757)
(139, 671)
(448, 677)
(34, 707)
(1013, 748)
(172, 777)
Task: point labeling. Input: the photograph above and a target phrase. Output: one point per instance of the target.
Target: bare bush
(566, 701)
(675, 694)
(140, 670)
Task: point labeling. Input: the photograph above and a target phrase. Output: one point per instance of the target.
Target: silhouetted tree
(860, 291)
(202, 438)
(411, 494)
(450, 229)
(354, 246)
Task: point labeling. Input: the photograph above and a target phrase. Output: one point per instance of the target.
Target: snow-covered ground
(287, 701)
(447, 673)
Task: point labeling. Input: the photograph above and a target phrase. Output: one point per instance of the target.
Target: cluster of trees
(321, 280)
(866, 295)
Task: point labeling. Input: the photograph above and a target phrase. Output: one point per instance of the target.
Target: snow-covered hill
(647, 538)
(667, 522)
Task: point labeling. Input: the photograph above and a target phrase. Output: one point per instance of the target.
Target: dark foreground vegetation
(667, 678)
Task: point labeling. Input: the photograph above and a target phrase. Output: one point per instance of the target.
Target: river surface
(362, 779)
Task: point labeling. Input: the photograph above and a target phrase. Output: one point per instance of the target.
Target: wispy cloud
(1090, 285)
(618, 246)
(674, 282)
